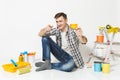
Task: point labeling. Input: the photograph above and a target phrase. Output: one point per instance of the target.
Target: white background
(21, 20)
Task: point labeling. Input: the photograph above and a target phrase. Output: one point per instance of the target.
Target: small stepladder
(105, 30)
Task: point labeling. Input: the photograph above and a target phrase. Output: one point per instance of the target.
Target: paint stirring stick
(14, 63)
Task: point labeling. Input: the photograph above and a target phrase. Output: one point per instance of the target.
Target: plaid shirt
(73, 44)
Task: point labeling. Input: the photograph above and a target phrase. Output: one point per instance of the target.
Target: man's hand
(48, 28)
(79, 32)
(82, 38)
(45, 30)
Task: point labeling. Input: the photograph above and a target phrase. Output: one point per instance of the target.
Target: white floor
(79, 74)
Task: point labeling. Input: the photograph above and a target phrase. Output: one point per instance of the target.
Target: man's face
(61, 22)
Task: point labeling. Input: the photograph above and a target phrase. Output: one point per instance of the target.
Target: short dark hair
(60, 14)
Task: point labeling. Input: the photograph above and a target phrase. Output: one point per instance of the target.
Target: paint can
(97, 66)
(23, 70)
(25, 56)
(100, 50)
(31, 57)
(21, 58)
(106, 67)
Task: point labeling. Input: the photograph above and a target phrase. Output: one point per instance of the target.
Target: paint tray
(11, 68)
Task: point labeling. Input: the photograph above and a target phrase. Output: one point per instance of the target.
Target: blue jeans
(66, 61)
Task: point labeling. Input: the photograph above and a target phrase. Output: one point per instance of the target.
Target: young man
(66, 48)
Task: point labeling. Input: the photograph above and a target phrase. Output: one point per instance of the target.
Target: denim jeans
(66, 61)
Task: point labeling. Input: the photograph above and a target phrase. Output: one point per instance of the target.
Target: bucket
(97, 66)
(105, 67)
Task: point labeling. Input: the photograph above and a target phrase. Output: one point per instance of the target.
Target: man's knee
(44, 38)
(68, 67)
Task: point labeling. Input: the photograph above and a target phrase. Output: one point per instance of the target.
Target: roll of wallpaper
(23, 70)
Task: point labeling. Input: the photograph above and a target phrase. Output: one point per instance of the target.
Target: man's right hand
(45, 30)
(48, 28)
